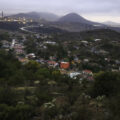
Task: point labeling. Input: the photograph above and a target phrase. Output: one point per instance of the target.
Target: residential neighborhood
(69, 58)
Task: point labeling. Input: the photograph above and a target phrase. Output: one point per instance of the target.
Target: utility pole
(2, 15)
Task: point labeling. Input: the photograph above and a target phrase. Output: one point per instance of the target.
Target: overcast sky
(96, 10)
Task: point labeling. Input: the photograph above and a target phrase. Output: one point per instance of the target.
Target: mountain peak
(73, 14)
(73, 17)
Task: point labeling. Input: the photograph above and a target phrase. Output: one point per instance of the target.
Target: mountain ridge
(37, 15)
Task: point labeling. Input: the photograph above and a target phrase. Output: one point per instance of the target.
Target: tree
(106, 83)
(7, 96)
(19, 112)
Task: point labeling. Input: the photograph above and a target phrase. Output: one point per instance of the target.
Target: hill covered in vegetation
(33, 91)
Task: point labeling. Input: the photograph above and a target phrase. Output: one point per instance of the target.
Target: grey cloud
(91, 7)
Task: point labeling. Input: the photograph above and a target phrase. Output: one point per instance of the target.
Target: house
(23, 60)
(64, 65)
(90, 78)
(84, 42)
(44, 47)
(87, 72)
(52, 64)
(76, 47)
(43, 36)
(19, 51)
(50, 42)
(31, 56)
(41, 61)
(5, 44)
(107, 59)
(97, 40)
(37, 36)
(103, 52)
(74, 74)
(76, 59)
(86, 60)
(117, 61)
(52, 58)
(88, 75)
(18, 48)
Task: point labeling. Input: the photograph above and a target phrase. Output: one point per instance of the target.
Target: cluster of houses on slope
(14, 45)
(85, 74)
(63, 66)
(18, 48)
(64, 69)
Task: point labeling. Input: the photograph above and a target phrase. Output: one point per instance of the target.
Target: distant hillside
(45, 30)
(75, 23)
(37, 15)
(71, 26)
(104, 34)
(10, 25)
(113, 24)
(115, 29)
